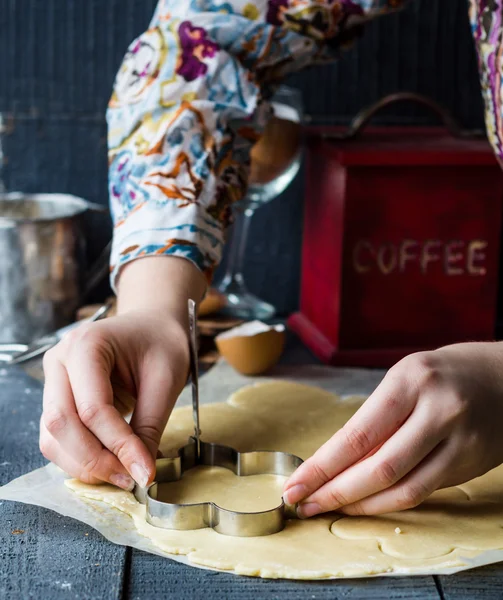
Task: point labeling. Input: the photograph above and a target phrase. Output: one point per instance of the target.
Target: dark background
(58, 59)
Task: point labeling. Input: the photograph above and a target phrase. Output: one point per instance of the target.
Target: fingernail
(295, 494)
(139, 474)
(310, 509)
(123, 481)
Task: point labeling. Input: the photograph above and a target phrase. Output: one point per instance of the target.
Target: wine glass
(275, 161)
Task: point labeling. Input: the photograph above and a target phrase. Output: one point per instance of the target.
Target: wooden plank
(44, 555)
(486, 582)
(155, 577)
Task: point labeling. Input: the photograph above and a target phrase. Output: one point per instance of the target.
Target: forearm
(161, 285)
(185, 103)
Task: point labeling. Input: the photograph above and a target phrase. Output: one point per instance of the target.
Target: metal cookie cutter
(196, 452)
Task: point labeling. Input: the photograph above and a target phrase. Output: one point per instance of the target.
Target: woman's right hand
(101, 370)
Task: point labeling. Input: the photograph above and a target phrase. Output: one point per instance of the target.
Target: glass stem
(240, 229)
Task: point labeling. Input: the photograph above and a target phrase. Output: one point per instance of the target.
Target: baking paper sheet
(45, 487)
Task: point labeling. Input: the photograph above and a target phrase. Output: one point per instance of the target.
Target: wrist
(160, 284)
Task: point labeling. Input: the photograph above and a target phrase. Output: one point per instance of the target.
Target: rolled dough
(452, 525)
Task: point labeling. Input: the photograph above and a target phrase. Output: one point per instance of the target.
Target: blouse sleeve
(189, 92)
(487, 29)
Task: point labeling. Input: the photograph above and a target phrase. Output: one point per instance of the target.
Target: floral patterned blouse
(194, 86)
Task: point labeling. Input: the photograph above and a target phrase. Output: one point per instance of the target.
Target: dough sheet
(451, 526)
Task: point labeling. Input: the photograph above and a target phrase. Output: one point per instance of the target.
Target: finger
(417, 437)
(379, 417)
(157, 395)
(55, 454)
(124, 402)
(413, 489)
(89, 372)
(62, 423)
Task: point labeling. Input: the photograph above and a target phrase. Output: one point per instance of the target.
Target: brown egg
(252, 348)
(212, 303)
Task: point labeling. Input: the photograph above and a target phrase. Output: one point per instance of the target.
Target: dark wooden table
(45, 556)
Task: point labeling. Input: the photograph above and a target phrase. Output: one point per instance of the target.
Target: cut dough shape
(216, 484)
(453, 525)
(446, 521)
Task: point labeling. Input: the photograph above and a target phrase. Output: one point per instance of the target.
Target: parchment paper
(45, 487)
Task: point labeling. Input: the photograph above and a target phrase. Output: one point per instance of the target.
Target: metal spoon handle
(194, 374)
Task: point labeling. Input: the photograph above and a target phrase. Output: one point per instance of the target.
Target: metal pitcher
(42, 263)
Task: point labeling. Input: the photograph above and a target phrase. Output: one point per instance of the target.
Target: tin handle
(98, 270)
(97, 208)
(364, 116)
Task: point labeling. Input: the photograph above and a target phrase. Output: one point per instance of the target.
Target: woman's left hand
(435, 421)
